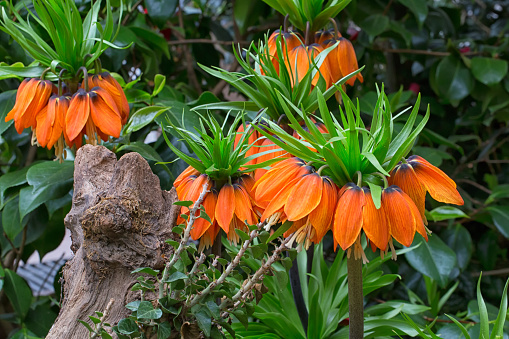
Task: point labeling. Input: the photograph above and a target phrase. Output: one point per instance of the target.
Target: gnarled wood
(119, 221)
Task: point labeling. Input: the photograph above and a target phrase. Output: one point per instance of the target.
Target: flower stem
(355, 297)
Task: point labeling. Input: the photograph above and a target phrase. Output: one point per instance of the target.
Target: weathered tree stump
(119, 221)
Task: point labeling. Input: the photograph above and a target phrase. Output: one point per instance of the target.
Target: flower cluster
(97, 110)
(228, 207)
(310, 183)
(301, 55)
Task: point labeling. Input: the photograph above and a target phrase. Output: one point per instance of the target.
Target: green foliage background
(455, 53)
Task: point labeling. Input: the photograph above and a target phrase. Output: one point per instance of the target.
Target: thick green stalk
(355, 297)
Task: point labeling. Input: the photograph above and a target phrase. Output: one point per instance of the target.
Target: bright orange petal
(321, 217)
(419, 225)
(201, 225)
(269, 188)
(44, 121)
(375, 223)
(348, 60)
(404, 177)
(348, 216)
(104, 112)
(279, 200)
(196, 188)
(243, 207)
(225, 207)
(304, 197)
(184, 187)
(187, 172)
(77, 114)
(437, 183)
(399, 215)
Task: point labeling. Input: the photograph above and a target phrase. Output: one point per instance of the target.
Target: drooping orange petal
(225, 207)
(243, 207)
(267, 189)
(44, 121)
(301, 60)
(27, 118)
(187, 172)
(201, 225)
(321, 217)
(405, 178)
(279, 200)
(348, 60)
(196, 188)
(274, 171)
(399, 215)
(77, 114)
(348, 216)
(288, 41)
(110, 85)
(437, 183)
(104, 112)
(375, 223)
(304, 197)
(419, 225)
(184, 187)
(22, 95)
(332, 59)
(61, 107)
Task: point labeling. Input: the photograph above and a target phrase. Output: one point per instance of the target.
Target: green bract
(349, 147)
(270, 87)
(314, 11)
(218, 156)
(76, 42)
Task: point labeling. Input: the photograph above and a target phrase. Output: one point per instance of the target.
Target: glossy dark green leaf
(459, 240)
(49, 173)
(446, 213)
(375, 25)
(12, 179)
(204, 322)
(164, 330)
(18, 292)
(489, 71)
(500, 215)
(160, 11)
(176, 276)
(433, 259)
(143, 117)
(30, 199)
(146, 270)
(11, 221)
(147, 311)
(127, 326)
(499, 192)
(7, 100)
(419, 9)
(453, 79)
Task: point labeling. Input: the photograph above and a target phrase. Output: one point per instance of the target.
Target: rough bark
(119, 221)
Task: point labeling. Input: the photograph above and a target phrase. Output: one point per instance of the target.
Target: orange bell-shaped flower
(286, 40)
(95, 111)
(31, 98)
(108, 83)
(342, 60)
(51, 121)
(417, 176)
(301, 59)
